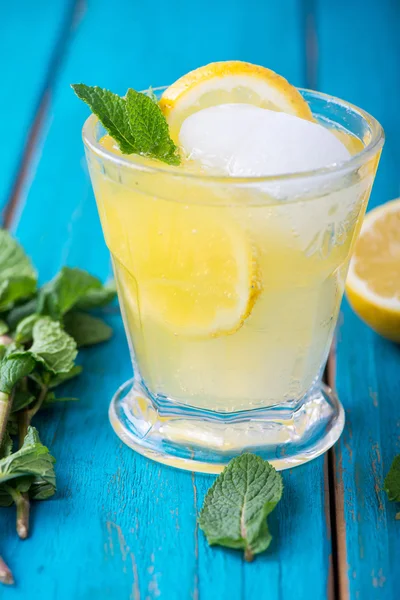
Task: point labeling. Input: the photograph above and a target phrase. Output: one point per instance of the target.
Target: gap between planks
(72, 18)
(336, 504)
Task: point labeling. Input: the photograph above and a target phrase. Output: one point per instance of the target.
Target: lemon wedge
(229, 82)
(196, 272)
(373, 284)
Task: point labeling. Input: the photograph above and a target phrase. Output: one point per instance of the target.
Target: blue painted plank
(122, 526)
(366, 72)
(29, 36)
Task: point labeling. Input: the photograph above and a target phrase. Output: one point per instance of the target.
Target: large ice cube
(242, 140)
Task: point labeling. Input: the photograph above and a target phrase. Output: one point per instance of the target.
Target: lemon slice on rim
(373, 284)
(196, 271)
(229, 82)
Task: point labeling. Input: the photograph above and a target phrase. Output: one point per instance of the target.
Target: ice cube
(242, 140)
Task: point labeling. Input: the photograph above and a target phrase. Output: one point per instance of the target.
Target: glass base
(205, 441)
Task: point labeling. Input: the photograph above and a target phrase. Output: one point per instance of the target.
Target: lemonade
(230, 272)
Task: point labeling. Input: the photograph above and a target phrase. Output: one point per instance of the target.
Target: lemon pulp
(373, 283)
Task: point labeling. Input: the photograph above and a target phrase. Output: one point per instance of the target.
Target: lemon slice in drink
(196, 267)
(229, 82)
(373, 284)
(196, 270)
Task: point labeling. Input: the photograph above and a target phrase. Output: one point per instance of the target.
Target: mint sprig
(392, 482)
(39, 332)
(237, 505)
(24, 475)
(135, 121)
(31, 460)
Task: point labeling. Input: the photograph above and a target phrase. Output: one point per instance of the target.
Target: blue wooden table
(122, 527)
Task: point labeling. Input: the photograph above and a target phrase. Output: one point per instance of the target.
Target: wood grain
(31, 38)
(359, 51)
(122, 526)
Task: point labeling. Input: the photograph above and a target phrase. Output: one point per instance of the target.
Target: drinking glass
(230, 290)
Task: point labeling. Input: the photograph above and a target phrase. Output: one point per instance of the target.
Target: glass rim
(342, 167)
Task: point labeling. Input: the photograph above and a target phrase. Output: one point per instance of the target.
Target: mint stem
(32, 411)
(6, 576)
(5, 399)
(23, 424)
(23, 510)
(248, 555)
(5, 407)
(23, 503)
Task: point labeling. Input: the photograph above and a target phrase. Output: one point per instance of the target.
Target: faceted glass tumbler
(230, 290)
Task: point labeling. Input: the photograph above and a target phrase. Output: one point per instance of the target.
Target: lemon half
(373, 284)
(229, 82)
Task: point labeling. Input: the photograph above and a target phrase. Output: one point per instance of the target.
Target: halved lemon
(229, 82)
(193, 267)
(373, 284)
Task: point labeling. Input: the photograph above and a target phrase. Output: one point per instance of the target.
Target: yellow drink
(230, 291)
(268, 356)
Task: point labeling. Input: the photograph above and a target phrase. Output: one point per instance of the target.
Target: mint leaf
(52, 346)
(12, 427)
(15, 289)
(51, 398)
(392, 482)
(3, 327)
(236, 506)
(17, 275)
(53, 300)
(63, 377)
(13, 260)
(11, 347)
(111, 111)
(13, 368)
(22, 399)
(19, 312)
(32, 459)
(85, 329)
(136, 122)
(6, 446)
(41, 489)
(29, 470)
(62, 293)
(98, 297)
(36, 487)
(24, 330)
(150, 128)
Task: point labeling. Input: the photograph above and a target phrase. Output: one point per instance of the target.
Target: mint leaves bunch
(41, 330)
(135, 121)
